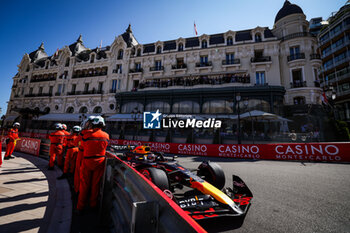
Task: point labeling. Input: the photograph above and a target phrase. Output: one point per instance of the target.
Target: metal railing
(139, 70)
(296, 35)
(260, 59)
(315, 56)
(231, 61)
(204, 64)
(298, 84)
(175, 67)
(296, 56)
(156, 68)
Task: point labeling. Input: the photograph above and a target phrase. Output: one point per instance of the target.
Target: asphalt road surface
(288, 196)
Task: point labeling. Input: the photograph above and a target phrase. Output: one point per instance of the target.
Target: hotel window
(180, 62)
(180, 47)
(257, 37)
(138, 52)
(230, 57)
(119, 68)
(136, 84)
(74, 87)
(86, 87)
(31, 91)
(100, 87)
(299, 100)
(70, 110)
(83, 110)
(158, 65)
(229, 40)
(260, 78)
(159, 49)
(40, 90)
(137, 66)
(50, 90)
(67, 62)
(114, 85)
(204, 44)
(204, 60)
(92, 58)
(120, 54)
(297, 78)
(28, 68)
(294, 50)
(258, 53)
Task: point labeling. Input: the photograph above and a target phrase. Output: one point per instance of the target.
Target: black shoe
(12, 157)
(51, 168)
(63, 176)
(6, 158)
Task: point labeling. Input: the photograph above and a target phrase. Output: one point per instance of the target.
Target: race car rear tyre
(212, 173)
(157, 176)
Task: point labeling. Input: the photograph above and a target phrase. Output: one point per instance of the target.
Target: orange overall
(72, 151)
(92, 167)
(12, 135)
(56, 148)
(78, 141)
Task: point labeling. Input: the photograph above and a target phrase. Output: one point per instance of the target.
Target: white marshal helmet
(64, 126)
(16, 124)
(76, 128)
(58, 126)
(97, 120)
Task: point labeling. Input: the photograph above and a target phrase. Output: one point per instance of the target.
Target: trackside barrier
(136, 205)
(325, 152)
(25, 145)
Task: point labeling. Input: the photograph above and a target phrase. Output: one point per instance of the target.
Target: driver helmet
(64, 126)
(58, 126)
(16, 124)
(76, 129)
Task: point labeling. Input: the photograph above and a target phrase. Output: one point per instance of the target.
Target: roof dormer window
(257, 37)
(204, 44)
(159, 49)
(180, 47)
(138, 52)
(229, 40)
(120, 54)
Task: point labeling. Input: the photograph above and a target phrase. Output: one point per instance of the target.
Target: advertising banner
(28, 145)
(328, 152)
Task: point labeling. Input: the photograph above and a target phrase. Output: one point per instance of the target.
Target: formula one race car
(201, 195)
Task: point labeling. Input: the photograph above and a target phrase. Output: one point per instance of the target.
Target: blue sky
(25, 24)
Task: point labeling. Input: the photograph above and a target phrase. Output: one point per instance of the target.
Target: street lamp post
(238, 99)
(331, 95)
(246, 102)
(135, 115)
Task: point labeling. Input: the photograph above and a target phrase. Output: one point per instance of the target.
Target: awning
(10, 118)
(125, 117)
(64, 117)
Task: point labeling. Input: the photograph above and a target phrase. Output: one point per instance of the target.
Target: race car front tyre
(157, 176)
(212, 173)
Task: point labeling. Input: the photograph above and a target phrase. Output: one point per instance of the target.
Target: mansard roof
(78, 46)
(38, 54)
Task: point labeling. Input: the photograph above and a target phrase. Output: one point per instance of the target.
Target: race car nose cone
(235, 208)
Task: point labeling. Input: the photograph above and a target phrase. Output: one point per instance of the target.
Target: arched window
(180, 47)
(299, 100)
(186, 107)
(229, 40)
(97, 109)
(204, 44)
(159, 49)
(129, 107)
(154, 106)
(257, 37)
(67, 61)
(92, 58)
(218, 106)
(138, 52)
(256, 104)
(120, 54)
(47, 110)
(83, 110)
(70, 110)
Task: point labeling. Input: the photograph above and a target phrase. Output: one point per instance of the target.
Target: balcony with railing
(89, 75)
(315, 56)
(296, 35)
(204, 64)
(91, 92)
(139, 70)
(156, 69)
(178, 67)
(296, 56)
(260, 59)
(297, 84)
(35, 79)
(231, 62)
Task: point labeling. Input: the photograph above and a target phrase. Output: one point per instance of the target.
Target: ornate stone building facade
(271, 69)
